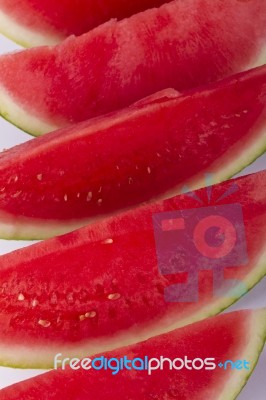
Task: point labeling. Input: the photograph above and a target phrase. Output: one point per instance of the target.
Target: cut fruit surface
(117, 282)
(35, 23)
(182, 44)
(145, 152)
(234, 336)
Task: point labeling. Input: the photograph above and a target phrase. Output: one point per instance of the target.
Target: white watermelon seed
(89, 196)
(114, 296)
(91, 314)
(15, 195)
(108, 241)
(34, 303)
(44, 323)
(13, 178)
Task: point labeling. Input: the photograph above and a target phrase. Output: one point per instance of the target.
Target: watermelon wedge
(34, 22)
(182, 44)
(205, 345)
(145, 152)
(117, 282)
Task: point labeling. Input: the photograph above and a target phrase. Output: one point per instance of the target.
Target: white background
(256, 387)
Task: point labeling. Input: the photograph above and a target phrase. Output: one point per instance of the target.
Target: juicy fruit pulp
(112, 66)
(234, 336)
(147, 151)
(100, 287)
(34, 22)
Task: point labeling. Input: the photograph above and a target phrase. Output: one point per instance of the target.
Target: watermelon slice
(34, 22)
(145, 152)
(182, 44)
(206, 345)
(112, 284)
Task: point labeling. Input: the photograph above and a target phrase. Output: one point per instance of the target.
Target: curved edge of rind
(24, 36)
(13, 113)
(252, 354)
(21, 228)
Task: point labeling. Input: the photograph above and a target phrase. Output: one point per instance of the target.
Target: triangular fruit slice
(34, 22)
(182, 44)
(54, 184)
(133, 276)
(211, 359)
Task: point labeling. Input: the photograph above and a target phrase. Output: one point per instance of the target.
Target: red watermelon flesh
(34, 22)
(54, 184)
(100, 287)
(182, 44)
(234, 336)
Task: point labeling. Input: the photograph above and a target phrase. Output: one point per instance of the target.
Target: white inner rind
(20, 228)
(42, 357)
(12, 112)
(25, 36)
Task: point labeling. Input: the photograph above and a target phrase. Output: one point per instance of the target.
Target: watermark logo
(146, 363)
(210, 237)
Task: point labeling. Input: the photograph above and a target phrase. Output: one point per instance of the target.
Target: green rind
(13, 113)
(256, 347)
(5, 117)
(85, 349)
(14, 39)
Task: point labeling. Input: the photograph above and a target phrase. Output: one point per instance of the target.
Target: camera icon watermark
(205, 238)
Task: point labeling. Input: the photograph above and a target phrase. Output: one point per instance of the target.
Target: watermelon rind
(24, 36)
(252, 353)
(13, 113)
